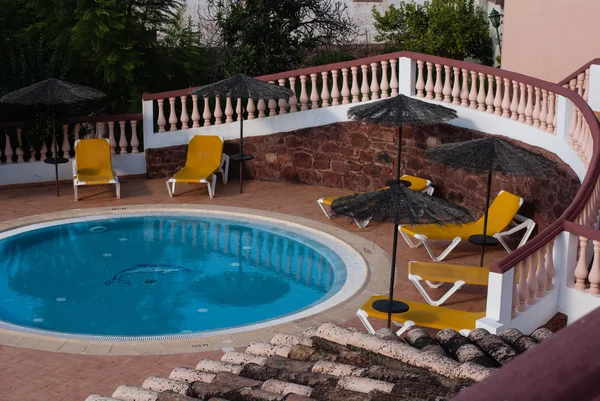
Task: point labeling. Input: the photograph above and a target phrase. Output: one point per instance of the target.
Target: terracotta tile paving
(28, 375)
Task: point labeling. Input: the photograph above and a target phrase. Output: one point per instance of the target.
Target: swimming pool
(167, 275)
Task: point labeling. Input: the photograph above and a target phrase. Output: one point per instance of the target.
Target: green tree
(267, 36)
(455, 29)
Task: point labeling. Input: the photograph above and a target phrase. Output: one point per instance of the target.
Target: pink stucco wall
(549, 39)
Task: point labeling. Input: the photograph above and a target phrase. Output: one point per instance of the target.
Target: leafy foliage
(455, 29)
(331, 57)
(267, 36)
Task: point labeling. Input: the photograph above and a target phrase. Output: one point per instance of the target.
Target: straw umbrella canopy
(490, 155)
(399, 205)
(400, 110)
(52, 92)
(243, 87)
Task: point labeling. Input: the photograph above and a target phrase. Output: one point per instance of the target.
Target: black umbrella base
(391, 183)
(383, 305)
(243, 157)
(56, 160)
(480, 240)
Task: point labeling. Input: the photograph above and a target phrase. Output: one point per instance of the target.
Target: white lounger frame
(416, 280)
(77, 183)
(364, 318)
(223, 169)
(362, 224)
(520, 222)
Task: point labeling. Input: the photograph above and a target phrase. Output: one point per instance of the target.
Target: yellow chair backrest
(502, 211)
(205, 151)
(93, 156)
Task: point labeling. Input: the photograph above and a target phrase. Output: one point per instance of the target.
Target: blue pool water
(160, 275)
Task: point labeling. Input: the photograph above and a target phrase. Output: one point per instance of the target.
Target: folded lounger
(417, 184)
(420, 314)
(435, 274)
(502, 212)
(205, 158)
(93, 165)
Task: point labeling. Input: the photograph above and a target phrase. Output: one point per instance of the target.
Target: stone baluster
(522, 287)
(293, 100)
(345, 87)
(506, 99)
(537, 108)
(522, 103)
(394, 84)
(8, 151)
(447, 90)
(540, 273)
(481, 94)
(489, 99)
(218, 111)
(577, 133)
(184, 118)
(282, 103)
(544, 111)
(161, 121)
(364, 88)
(355, 91)
(66, 147)
(515, 293)
(456, 86)
(206, 114)
(581, 270)
(429, 86)
(594, 276)
(514, 105)
(135, 143)
(238, 109)
(464, 92)
(272, 103)
(195, 112)
(99, 131)
(111, 137)
(335, 91)
(529, 106)
(473, 92)
(572, 86)
(303, 94)
(438, 87)
(76, 131)
(385, 85)
(532, 282)
(20, 153)
(228, 110)
(550, 270)
(251, 109)
(44, 150)
(262, 107)
(374, 84)
(420, 86)
(172, 115)
(325, 89)
(498, 97)
(314, 94)
(122, 137)
(555, 119)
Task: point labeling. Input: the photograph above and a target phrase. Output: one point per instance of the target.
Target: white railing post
(407, 76)
(594, 88)
(499, 302)
(148, 122)
(564, 115)
(565, 259)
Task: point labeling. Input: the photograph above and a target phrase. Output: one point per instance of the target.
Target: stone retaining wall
(362, 157)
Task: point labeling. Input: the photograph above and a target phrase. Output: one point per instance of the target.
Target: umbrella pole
(55, 150)
(399, 151)
(393, 274)
(241, 147)
(485, 216)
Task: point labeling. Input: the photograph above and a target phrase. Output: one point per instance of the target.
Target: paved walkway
(27, 375)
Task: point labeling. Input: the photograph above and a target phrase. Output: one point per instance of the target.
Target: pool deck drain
(375, 283)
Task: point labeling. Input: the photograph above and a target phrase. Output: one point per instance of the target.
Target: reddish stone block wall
(362, 157)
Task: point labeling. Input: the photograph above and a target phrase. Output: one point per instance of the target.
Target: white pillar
(564, 115)
(148, 122)
(594, 88)
(407, 76)
(499, 302)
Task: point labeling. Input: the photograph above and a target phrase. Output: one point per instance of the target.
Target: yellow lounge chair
(502, 212)
(419, 314)
(435, 274)
(93, 165)
(417, 184)
(205, 158)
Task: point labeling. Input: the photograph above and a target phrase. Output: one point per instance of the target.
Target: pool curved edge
(357, 253)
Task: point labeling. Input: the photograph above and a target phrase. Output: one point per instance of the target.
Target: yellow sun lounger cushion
(93, 165)
(421, 314)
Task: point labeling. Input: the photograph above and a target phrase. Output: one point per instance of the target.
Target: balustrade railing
(121, 131)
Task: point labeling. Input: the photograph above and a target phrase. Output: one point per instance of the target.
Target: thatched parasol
(489, 155)
(400, 110)
(243, 87)
(399, 205)
(52, 92)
